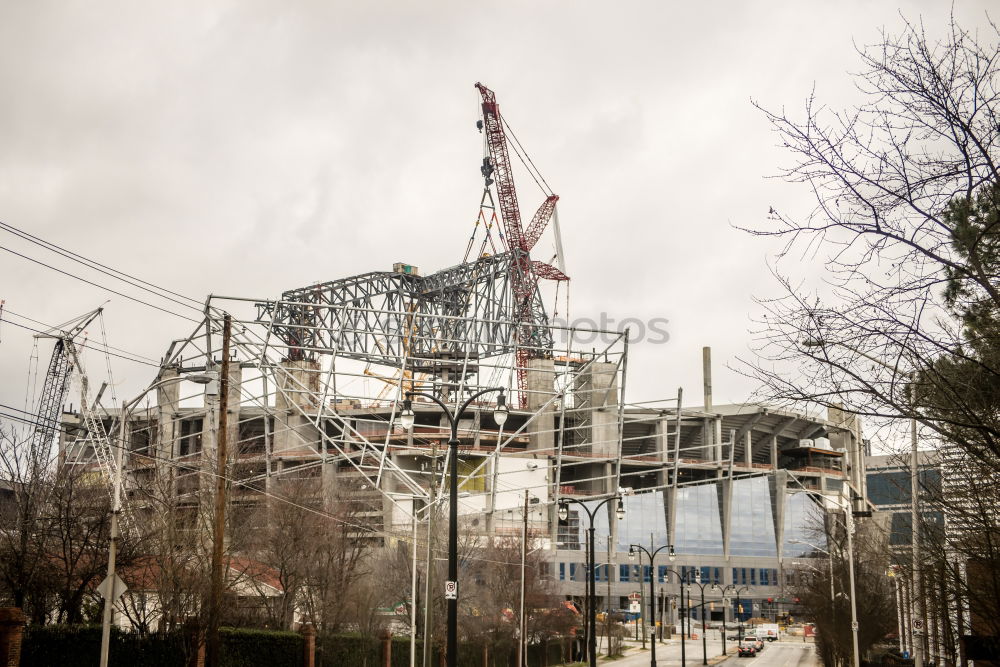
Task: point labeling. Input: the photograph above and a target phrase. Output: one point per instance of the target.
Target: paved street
(777, 654)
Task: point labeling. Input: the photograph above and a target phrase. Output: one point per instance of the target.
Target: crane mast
(524, 272)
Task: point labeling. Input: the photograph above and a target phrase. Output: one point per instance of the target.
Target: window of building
(661, 574)
(141, 436)
(472, 475)
(190, 440)
(698, 520)
(752, 521)
(562, 571)
(602, 572)
(889, 488)
(568, 535)
(252, 433)
(544, 570)
(625, 573)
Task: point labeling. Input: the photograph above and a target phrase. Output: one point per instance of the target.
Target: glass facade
(803, 525)
(698, 520)
(752, 521)
(645, 520)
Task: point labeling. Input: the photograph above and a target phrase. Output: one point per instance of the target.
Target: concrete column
(597, 390)
(167, 405)
(541, 387)
(11, 633)
(297, 392)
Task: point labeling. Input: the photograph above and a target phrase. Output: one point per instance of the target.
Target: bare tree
(886, 176)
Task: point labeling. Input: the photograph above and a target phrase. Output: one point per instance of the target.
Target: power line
(89, 282)
(49, 326)
(91, 347)
(97, 266)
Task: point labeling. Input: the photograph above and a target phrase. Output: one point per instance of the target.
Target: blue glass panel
(803, 526)
(661, 574)
(562, 571)
(698, 522)
(889, 488)
(645, 519)
(624, 572)
(751, 528)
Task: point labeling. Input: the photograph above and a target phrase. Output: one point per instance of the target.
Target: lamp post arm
(453, 419)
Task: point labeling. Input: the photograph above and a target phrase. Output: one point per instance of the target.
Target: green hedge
(243, 646)
(80, 645)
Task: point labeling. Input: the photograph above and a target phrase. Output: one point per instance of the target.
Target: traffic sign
(112, 587)
(451, 590)
(918, 625)
(635, 596)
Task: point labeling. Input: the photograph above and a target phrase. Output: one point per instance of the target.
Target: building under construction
(310, 387)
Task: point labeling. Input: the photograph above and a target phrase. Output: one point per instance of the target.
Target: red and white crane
(524, 272)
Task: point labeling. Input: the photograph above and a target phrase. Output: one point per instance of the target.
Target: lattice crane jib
(525, 272)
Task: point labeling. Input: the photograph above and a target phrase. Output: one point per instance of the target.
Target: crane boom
(524, 273)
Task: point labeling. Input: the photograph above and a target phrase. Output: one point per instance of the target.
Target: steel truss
(384, 317)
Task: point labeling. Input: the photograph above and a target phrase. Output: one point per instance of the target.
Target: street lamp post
(681, 612)
(739, 617)
(591, 589)
(697, 582)
(406, 419)
(634, 549)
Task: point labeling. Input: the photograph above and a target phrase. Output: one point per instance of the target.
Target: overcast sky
(245, 148)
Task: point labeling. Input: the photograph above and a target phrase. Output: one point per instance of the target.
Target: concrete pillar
(596, 390)
(297, 392)
(11, 633)
(167, 405)
(541, 386)
(308, 645)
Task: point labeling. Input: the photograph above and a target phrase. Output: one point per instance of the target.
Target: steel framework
(383, 317)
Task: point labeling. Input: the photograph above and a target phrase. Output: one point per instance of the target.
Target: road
(776, 654)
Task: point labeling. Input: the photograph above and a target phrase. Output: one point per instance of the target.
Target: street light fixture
(633, 551)
(406, 419)
(697, 582)
(563, 514)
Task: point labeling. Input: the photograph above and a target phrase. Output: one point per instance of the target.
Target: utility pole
(521, 658)
(413, 591)
(116, 508)
(915, 550)
(219, 528)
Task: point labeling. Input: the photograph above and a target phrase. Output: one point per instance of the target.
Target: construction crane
(56, 386)
(524, 272)
(65, 359)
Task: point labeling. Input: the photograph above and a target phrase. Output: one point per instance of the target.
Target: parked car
(747, 649)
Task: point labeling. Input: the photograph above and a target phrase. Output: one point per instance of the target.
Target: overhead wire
(89, 347)
(50, 326)
(99, 286)
(97, 266)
